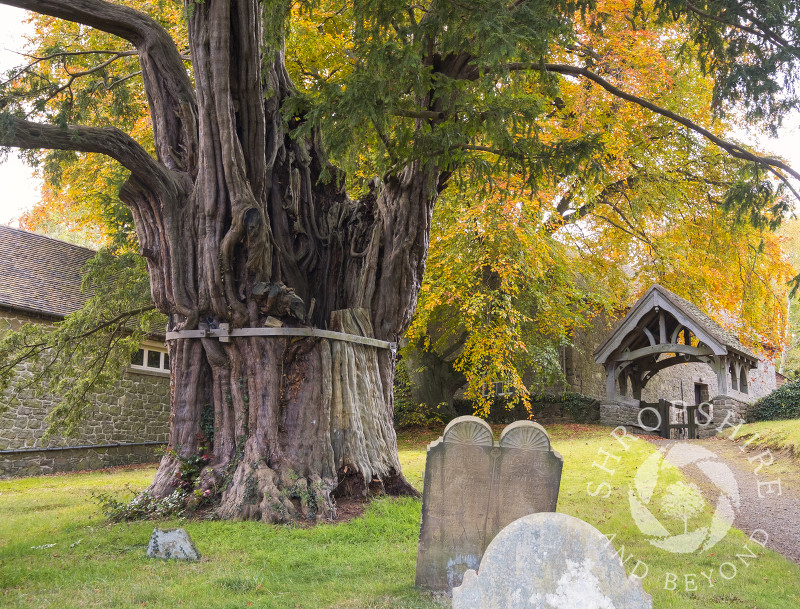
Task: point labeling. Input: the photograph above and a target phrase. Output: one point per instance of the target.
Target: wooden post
(722, 375)
(663, 410)
(611, 381)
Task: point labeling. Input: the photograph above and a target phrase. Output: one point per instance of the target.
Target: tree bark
(237, 226)
(296, 422)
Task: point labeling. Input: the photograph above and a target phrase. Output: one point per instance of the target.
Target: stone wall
(620, 412)
(732, 409)
(678, 382)
(127, 424)
(546, 410)
(35, 463)
(582, 374)
(626, 412)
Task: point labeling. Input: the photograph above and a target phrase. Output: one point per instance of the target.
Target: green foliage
(581, 408)
(524, 258)
(748, 48)
(143, 506)
(87, 351)
(406, 412)
(189, 471)
(783, 403)
(500, 290)
(507, 409)
(207, 423)
(383, 63)
(183, 501)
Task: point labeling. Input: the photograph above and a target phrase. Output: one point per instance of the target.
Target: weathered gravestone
(474, 488)
(550, 561)
(172, 543)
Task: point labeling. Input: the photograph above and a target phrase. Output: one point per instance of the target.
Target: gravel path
(777, 513)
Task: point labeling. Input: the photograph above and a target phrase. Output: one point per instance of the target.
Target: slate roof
(709, 325)
(691, 310)
(39, 274)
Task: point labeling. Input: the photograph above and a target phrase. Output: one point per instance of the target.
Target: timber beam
(664, 348)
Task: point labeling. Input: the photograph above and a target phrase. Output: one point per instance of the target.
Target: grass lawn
(365, 563)
(777, 435)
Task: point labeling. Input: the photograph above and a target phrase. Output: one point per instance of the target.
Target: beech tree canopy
(283, 182)
(524, 269)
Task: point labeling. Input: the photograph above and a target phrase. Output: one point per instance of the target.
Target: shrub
(507, 409)
(783, 403)
(186, 498)
(406, 412)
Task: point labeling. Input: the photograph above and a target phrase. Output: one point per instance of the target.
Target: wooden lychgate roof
(664, 323)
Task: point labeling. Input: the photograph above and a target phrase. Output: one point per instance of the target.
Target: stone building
(41, 280)
(629, 361)
(665, 347)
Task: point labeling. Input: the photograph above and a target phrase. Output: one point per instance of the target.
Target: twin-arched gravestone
(475, 487)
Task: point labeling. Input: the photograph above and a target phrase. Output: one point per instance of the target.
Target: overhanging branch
(761, 30)
(20, 133)
(771, 164)
(169, 91)
(130, 24)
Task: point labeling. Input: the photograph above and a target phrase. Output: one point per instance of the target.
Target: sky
(19, 189)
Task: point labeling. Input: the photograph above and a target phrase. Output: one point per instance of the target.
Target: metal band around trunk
(224, 335)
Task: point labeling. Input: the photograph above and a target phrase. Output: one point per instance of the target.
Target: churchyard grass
(365, 563)
(776, 435)
(674, 580)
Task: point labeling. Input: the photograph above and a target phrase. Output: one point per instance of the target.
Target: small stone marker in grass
(172, 543)
(550, 561)
(474, 488)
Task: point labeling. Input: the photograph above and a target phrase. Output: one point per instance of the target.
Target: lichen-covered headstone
(172, 543)
(474, 487)
(550, 561)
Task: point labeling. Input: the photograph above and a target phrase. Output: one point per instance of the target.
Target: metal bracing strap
(224, 334)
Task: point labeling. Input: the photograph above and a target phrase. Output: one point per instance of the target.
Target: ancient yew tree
(244, 222)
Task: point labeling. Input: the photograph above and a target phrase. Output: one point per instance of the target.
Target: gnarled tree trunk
(238, 227)
(258, 234)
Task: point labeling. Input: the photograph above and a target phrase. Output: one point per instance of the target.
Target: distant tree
(790, 357)
(241, 216)
(514, 271)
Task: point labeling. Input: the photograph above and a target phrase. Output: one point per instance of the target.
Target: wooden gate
(665, 426)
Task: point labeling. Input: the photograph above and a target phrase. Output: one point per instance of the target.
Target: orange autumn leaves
(512, 271)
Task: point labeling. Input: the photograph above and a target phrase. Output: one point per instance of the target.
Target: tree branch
(603, 198)
(122, 53)
(130, 24)
(110, 141)
(173, 105)
(734, 150)
(421, 114)
(763, 30)
(73, 76)
(37, 60)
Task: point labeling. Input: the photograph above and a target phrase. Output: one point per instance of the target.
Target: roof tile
(40, 273)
